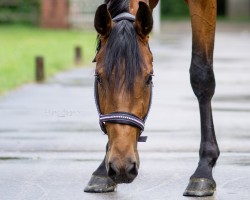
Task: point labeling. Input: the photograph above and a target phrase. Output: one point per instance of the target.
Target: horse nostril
(111, 171)
(133, 170)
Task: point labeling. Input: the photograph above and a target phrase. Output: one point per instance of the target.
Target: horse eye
(98, 79)
(149, 79)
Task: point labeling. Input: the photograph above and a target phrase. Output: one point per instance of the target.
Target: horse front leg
(99, 181)
(203, 18)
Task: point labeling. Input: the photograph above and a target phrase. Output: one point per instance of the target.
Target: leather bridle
(122, 117)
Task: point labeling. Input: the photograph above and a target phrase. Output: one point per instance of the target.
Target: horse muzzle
(125, 173)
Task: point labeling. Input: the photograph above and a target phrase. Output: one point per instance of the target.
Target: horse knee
(202, 81)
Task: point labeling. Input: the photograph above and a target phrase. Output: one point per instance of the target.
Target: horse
(123, 89)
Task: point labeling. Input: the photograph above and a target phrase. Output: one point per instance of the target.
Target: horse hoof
(100, 184)
(200, 187)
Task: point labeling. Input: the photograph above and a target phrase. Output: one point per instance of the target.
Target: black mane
(122, 50)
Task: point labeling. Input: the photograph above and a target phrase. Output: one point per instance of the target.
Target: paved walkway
(50, 141)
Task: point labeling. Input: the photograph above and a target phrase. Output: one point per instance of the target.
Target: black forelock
(122, 53)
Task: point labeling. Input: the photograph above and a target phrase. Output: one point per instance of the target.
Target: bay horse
(123, 89)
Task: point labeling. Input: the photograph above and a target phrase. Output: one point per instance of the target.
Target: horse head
(124, 73)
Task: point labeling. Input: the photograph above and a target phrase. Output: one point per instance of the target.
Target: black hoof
(100, 184)
(200, 187)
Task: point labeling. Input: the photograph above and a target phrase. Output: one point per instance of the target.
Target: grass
(19, 44)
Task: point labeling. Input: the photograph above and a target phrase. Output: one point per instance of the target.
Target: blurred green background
(179, 9)
(21, 43)
(19, 11)
(29, 10)
(22, 38)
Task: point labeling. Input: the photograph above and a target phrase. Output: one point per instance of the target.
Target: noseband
(122, 117)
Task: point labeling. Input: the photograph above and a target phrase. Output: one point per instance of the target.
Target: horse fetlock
(204, 170)
(209, 153)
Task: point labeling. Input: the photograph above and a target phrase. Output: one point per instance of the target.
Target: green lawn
(19, 44)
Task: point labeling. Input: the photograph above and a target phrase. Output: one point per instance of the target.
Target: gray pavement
(50, 141)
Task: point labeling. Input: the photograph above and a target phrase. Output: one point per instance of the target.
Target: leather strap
(124, 16)
(121, 117)
(121, 16)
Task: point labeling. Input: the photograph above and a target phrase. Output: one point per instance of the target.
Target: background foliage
(20, 44)
(19, 11)
(175, 8)
(178, 8)
(29, 10)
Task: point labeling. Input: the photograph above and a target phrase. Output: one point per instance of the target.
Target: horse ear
(103, 20)
(153, 4)
(144, 19)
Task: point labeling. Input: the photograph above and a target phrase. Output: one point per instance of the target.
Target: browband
(124, 16)
(121, 16)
